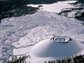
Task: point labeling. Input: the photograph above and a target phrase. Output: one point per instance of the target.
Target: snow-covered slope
(43, 24)
(28, 30)
(57, 48)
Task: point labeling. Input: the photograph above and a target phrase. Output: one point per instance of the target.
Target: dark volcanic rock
(76, 12)
(82, 1)
(80, 17)
(13, 11)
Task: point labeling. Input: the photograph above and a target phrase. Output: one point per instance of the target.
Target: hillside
(19, 34)
(39, 26)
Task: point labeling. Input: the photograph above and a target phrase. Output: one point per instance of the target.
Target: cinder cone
(57, 48)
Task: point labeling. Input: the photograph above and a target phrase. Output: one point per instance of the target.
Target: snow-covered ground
(55, 7)
(57, 48)
(71, 9)
(26, 31)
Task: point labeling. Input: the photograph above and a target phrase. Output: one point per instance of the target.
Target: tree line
(16, 59)
(72, 59)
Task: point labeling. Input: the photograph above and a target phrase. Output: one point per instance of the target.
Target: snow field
(25, 31)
